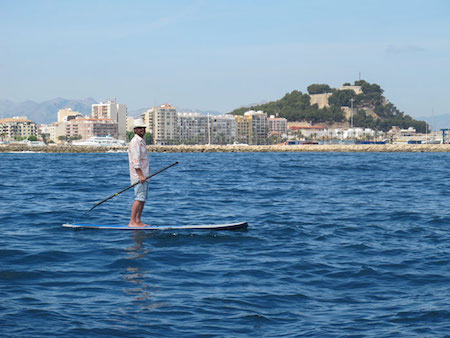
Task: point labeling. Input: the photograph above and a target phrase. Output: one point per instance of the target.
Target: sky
(218, 55)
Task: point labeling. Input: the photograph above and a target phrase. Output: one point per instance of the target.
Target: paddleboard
(232, 226)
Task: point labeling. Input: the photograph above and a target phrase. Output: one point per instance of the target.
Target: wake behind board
(232, 226)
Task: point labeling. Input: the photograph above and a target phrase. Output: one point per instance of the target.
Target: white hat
(139, 123)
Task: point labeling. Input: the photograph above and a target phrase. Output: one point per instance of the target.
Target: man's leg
(140, 208)
(140, 195)
(136, 213)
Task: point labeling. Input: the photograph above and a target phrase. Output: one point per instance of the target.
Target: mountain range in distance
(46, 111)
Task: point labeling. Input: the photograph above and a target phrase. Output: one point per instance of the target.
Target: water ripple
(338, 245)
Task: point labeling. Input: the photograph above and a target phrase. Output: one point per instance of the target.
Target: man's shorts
(140, 191)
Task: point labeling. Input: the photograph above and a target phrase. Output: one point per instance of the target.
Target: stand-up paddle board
(232, 226)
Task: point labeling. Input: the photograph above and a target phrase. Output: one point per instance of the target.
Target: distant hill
(44, 112)
(371, 108)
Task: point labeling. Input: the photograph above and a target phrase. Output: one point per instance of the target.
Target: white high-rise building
(114, 111)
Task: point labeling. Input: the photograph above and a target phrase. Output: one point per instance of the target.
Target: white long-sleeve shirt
(138, 158)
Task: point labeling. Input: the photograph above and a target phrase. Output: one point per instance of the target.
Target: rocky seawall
(247, 149)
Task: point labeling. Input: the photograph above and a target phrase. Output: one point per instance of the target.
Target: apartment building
(130, 123)
(223, 129)
(114, 111)
(162, 123)
(89, 127)
(169, 127)
(255, 123)
(193, 128)
(278, 125)
(244, 132)
(66, 114)
(17, 126)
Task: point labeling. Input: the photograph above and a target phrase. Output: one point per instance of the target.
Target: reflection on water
(134, 274)
(137, 250)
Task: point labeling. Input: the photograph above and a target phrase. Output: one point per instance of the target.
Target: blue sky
(220, 55)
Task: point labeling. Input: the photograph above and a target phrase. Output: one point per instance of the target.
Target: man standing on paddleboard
(139, 170)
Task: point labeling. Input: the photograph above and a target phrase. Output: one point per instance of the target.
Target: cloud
(403, 49)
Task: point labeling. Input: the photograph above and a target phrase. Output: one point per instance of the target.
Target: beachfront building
(278, 124)
(17, 127)
(336, 133)
(55, 130)
(130, 123)
(114, 111)
(162, 123)
(359, 133)
(223, 129)
(303, 131)
(243, 129)
(252, 127)
(147, 117)
(84, 128)
(67, 114)
(277, 129)
(260, 126)
(193, 128)
(45, 131)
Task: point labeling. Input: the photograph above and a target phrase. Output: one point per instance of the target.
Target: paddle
(131, 186)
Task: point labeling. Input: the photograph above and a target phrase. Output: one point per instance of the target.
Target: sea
(338, 245)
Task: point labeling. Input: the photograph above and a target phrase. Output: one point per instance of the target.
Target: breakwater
(219, 148)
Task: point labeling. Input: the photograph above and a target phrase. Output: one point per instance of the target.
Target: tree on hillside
(341, 98)
(368, 88)
(290, 106)
(296, 106)
(361, 119)
(319, 89)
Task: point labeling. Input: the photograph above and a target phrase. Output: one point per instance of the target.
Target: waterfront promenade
(218, 148)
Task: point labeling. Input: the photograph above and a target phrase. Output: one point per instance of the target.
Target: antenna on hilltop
(359, 76)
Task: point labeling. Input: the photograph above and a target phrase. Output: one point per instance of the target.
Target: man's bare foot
(138, 225)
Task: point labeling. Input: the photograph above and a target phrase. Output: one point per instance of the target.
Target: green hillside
(295, 106)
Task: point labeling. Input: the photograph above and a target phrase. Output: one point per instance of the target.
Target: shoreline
(236, 149)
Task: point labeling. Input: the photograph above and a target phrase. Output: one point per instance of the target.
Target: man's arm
(141, 175)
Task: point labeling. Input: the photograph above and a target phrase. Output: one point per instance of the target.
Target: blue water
(338, 244)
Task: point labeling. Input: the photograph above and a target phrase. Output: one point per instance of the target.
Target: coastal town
(109, 125)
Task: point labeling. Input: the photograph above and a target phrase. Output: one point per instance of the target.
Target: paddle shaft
(131, 186)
